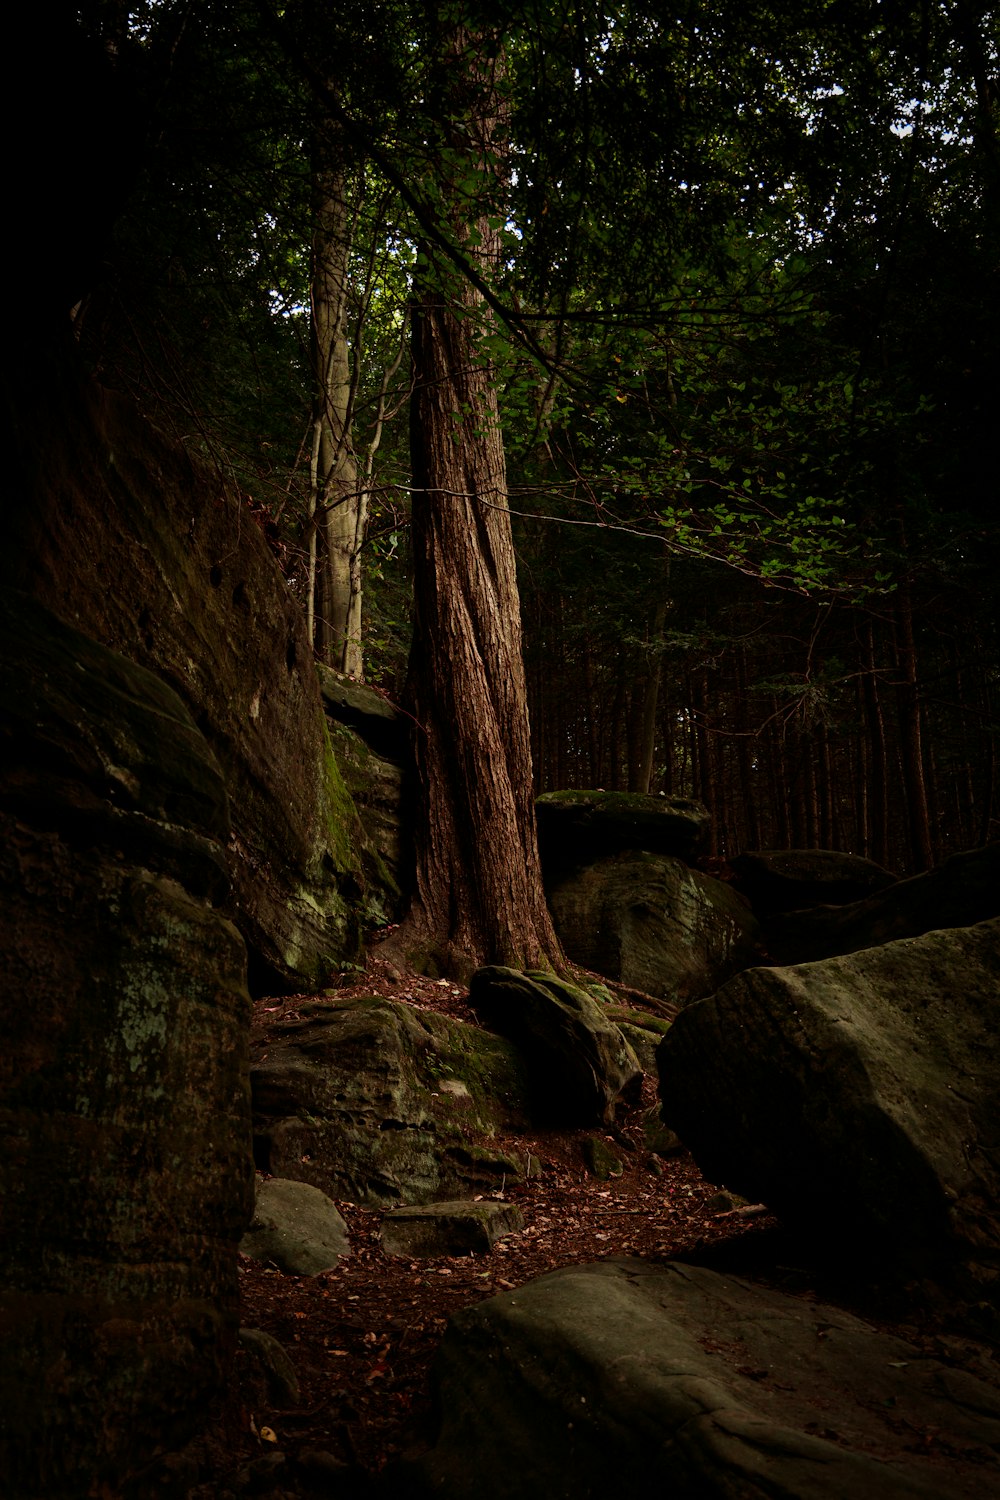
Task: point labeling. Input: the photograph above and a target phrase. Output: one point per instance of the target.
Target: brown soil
(362, 1336)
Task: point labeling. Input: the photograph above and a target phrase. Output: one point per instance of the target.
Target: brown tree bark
(478, 896)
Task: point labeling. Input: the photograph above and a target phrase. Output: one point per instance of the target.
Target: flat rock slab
(465, 1227)
(628, 1379)
(296, 1227)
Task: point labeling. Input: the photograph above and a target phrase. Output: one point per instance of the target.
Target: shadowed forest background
(741, 326)
(412, 409)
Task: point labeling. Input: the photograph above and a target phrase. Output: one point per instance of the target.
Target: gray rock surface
(655, 924)
(462, 1227)
(962, 891)
(859, 1096)
(650, 1381)
(578, 827)
(296, 1227)
(380, 1103)
(125, 1170)
(579, 1063)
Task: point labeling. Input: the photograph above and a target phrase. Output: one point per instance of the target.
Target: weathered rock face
(655, 924)
(962, 891)
(578, 1061)
(122, 534)
(379, 1103)
(792, 879)
(629, 1379)
(125, 1169)
(578, 827)
(857, 1096)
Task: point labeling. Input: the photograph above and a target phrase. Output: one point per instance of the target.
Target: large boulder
(962, 891)
(792, 879)
(125, 1166)
(644, 1381)
(653, 923)
(579, 1063)
(859, 1097)
(119, 531)
(577, 827)
(377, 1102)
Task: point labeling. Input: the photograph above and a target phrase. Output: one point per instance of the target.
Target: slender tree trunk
(340, 504)
(878, 785)
(911, 737)
(651, 696)
(614, 779)
(780, 833)
(478, 895)
(745, 752)
(590, 716)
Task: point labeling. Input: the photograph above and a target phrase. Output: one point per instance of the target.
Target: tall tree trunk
(478, 896)
(339, 503)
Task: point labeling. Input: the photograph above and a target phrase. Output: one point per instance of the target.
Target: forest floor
(362, 1336)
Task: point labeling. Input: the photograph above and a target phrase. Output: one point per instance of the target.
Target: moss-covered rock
(963, 890)
(601, 1159)
(643, 1032)
(579, 1064)
(377, 1102)
(655, 924)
